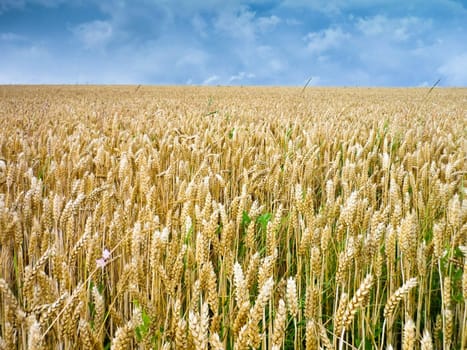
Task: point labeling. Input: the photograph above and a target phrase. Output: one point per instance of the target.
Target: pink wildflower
(101, 262)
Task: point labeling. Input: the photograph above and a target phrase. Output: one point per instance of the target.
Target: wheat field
(232, 218)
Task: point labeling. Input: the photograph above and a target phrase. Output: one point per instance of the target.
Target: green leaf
(245, 219)
(263, 220)
(139, 336)
(188, 235)
(146, 319)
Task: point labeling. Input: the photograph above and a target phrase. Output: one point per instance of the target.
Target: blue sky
(234, 42)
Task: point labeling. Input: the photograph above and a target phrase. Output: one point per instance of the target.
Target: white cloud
(237, 42)
(94, 34)
(12, 37)
(398, 29)
(29, 63)
(372, 26)
(454, 70)
(293, 22)
(210, 80)
(6, 5)
(275, 65)
(340, 7)
(267, 23)
(320, 42)
(424, 84)
(243, 24)
(194, 58)
(237, 24)
(200, 25)
(48, 3)
(241, 76)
